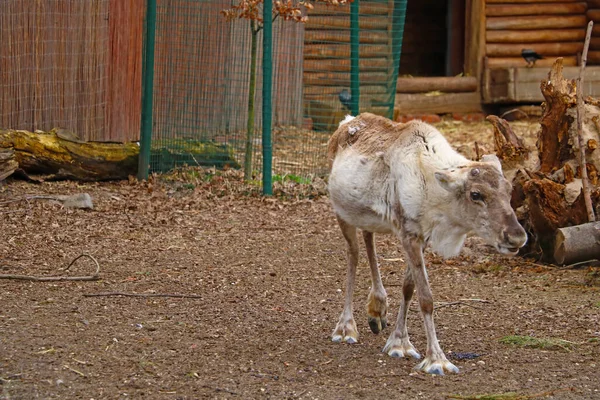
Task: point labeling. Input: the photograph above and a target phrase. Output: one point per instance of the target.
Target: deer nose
(515, 237)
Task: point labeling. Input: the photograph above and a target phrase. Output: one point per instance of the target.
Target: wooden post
(475, 38)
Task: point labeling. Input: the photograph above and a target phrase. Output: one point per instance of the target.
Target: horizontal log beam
(316, 91)
(343, 65)
(369, 23)
(343, 36)
(366, 8)
(594, 15)
(544, 49)
(593, 57)
(502, 62)
(343, 51)
(538, 36)
(536, 22)
(419, 103)
(442, 84)
(342, 78)
(593, 4)
(529, 1)
(497, 10)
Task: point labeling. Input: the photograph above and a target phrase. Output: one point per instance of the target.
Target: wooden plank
(537, 36)
(343, 22)
(595, 43)
(537, 22)
(366, 8)
(522, 84)
(497, 10)
(343, 36)
(342, 78)
(343, 65)
(316, 91)
(544, 49)
(499, 62)
(441, 104)
(594, 15)
(442, 84)
(475, 37)
(529, 1)
(593, 4)
(594, 57)
(343, 51)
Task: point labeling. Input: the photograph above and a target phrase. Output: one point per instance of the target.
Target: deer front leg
(377, 304)
(345, 329)
(398, 344)
(435, 361)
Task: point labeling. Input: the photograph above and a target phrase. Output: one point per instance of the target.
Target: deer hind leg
(377, 304)
(435, 361)
(398, 344)
(345, 329)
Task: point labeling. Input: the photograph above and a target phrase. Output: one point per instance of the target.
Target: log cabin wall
(593, 14)
(327, 60)
(552, 28)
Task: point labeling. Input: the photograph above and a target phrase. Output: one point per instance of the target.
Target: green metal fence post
(147, 91)
(267, 110)
(398, 18)
(354, 58)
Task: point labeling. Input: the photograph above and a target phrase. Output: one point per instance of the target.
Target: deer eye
(476, 196)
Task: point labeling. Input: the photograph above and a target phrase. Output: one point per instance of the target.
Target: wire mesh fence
(53, 62)
(202, 111)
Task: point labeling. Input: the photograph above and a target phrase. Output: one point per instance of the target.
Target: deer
(405, 179)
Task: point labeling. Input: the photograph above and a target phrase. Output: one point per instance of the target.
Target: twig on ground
(74, 370)
(464, 302)
(108, 294)
(93, 277)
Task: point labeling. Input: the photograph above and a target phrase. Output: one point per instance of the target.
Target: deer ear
(492, 160)
(449, 179)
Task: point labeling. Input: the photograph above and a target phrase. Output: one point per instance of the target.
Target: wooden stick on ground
(93, 277)
(580, 114)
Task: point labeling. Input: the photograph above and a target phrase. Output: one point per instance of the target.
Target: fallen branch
(93, 277)
(107, 294)
(464, 302)
(580, 113)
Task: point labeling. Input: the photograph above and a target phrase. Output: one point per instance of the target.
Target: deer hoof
(345, 331)
(377, 324)
(436, 367)
(398, 348)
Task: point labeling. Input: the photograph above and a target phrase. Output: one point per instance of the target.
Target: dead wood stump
(547, 186)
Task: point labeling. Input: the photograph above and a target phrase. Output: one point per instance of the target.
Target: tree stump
(547, 187)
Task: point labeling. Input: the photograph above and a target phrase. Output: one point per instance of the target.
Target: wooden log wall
(552, 28)
(593, 14)
(327, 55)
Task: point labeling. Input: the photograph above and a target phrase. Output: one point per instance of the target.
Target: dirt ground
(264, 279)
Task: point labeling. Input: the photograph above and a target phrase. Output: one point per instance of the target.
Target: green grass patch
(291, 178)
(597, 304)
(538, 343)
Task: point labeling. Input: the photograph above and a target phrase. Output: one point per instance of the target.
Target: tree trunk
(54, 153)
(577, 243)
(8, 164)
(251, 93)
